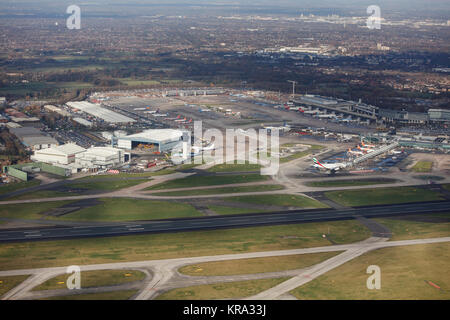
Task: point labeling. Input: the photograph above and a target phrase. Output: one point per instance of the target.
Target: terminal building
(338, 107)
(164, 140)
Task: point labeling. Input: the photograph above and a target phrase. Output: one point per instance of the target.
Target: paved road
(164, 271)
(208, 223)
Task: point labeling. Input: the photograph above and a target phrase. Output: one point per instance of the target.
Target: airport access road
(221, 222)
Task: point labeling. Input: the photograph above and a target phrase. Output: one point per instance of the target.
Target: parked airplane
(330, 167)
(368, 145)
(196, 149)
(172, 119)
(367, 150)
(357, 153)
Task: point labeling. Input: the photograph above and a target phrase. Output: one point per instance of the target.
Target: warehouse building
(99, 112)
(439, 115)
(162, 140)
(101, 158)
(51, 108)
(33, 139)
(64, 154)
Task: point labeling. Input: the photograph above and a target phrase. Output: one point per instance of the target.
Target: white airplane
(367, 150)
(196, 149)
(358, 153)
(330, 167)
(368, 145)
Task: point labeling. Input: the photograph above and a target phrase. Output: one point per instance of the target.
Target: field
(422, 166)
(230, 290)
(204, 181)
(235, 168)
(176, 245)
(114, 295)
(8, 283)
(18, 186)
(285, 200)
(126, 175)
(42, 194)
(90, 279)
(349, 183)
(79, 188)
(28, 210)
(223, 210)
(403, 229)
(404, 275)
(380, 196)
(108, 185)
(211, 191)
(299, 155)
(256, 265)
(132, 210)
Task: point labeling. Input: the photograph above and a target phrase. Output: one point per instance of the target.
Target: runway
(221, 222)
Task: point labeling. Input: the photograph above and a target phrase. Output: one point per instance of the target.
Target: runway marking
(136, 229)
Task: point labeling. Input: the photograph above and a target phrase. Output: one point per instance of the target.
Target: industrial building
(57, 110)
(64, 154)
(99, 112)
(161, 139)
(439, 115)
(83, 122)
(101, 158)
(33, 139)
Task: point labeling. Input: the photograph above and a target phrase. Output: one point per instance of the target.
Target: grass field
(127, 175)
(349, 183)
(378, 196)
(90, 279)
(235, 168)
(24, 255)
(204, 181)
(256, 265)
(403, 229)
(224, 210)
(261, 188)
(230, 290)
(422, 166)
(404, 272)
(7, 188)
(132, 210)
(42, 194)
(285, 200)
(299, 155)
(114, 295)
(107, 185)
(8, 283)
(28, 210)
